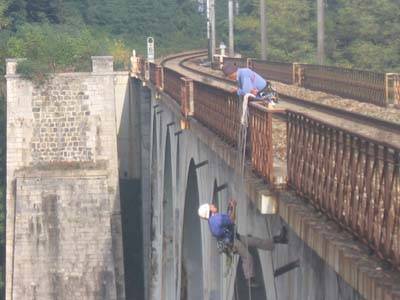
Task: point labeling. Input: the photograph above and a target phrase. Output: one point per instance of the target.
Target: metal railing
(365, 86)
(353, 179)
(218, 110)
(277, 71)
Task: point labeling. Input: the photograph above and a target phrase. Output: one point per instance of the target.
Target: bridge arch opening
(242, 291)
(168, 226)
(192, 256)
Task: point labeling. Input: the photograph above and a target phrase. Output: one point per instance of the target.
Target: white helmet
(204, 211)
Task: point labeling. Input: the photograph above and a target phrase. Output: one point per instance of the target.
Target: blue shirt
(249, 80)
(221, 226)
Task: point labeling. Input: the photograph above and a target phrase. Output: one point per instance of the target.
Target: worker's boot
(282, 237)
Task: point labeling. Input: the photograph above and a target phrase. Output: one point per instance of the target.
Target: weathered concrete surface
(64, 228)
(60, 250)
(319, 277)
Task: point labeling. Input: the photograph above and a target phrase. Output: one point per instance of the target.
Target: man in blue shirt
(249, 82)
(222, 228)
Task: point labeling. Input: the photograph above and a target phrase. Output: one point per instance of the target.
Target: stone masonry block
(102, 64)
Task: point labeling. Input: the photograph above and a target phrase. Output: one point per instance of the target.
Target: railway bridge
(80, 147)
(328, 173)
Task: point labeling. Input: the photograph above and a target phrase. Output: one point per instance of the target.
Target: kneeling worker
(249, 82)
(222, 228)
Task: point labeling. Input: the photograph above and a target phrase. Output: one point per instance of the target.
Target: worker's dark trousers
(241, 247)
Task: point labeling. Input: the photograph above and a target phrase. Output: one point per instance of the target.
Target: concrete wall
(315, 280)
(63, 209)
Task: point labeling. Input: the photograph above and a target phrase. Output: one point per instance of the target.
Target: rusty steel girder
(352, 179)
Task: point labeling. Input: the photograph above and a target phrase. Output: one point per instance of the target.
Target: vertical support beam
(187, 105)
(159, 78)
(392, 89)
(321, 31)
(263, 30)
(249, 63)
(135, 65)
(208, 30)
(298, 74)
(231, 27)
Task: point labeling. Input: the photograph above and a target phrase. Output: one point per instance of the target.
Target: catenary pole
(208, 30)
(321, 31)
(212, 18)
(231, 33)
(263, 30)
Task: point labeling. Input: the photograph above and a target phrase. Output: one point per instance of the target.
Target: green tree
(364, 34)
(289, 30)
(4, 20)
(49, 49)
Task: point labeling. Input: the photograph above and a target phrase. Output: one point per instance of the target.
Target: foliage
(49, 49)
(364, 34)
(359, 33)
(121, 55)
(4, 20)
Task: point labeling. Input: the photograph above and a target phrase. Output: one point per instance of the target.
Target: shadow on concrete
(168, 226)
(192, 261)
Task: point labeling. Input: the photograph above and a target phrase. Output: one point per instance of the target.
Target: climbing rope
(242, 143)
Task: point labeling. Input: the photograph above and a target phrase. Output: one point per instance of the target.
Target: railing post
(159, 78)
(392, 89)
(146, 70)
(250, 63)
(298, 74)
(135, 64)
(187, 104)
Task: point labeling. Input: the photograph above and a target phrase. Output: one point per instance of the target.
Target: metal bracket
(178, 133)
(221, 187)
(202, 164)
(286, 268)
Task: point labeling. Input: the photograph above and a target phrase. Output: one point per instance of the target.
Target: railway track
(295, 103)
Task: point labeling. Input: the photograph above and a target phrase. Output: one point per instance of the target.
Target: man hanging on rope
(249, 82)
(222, 227)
